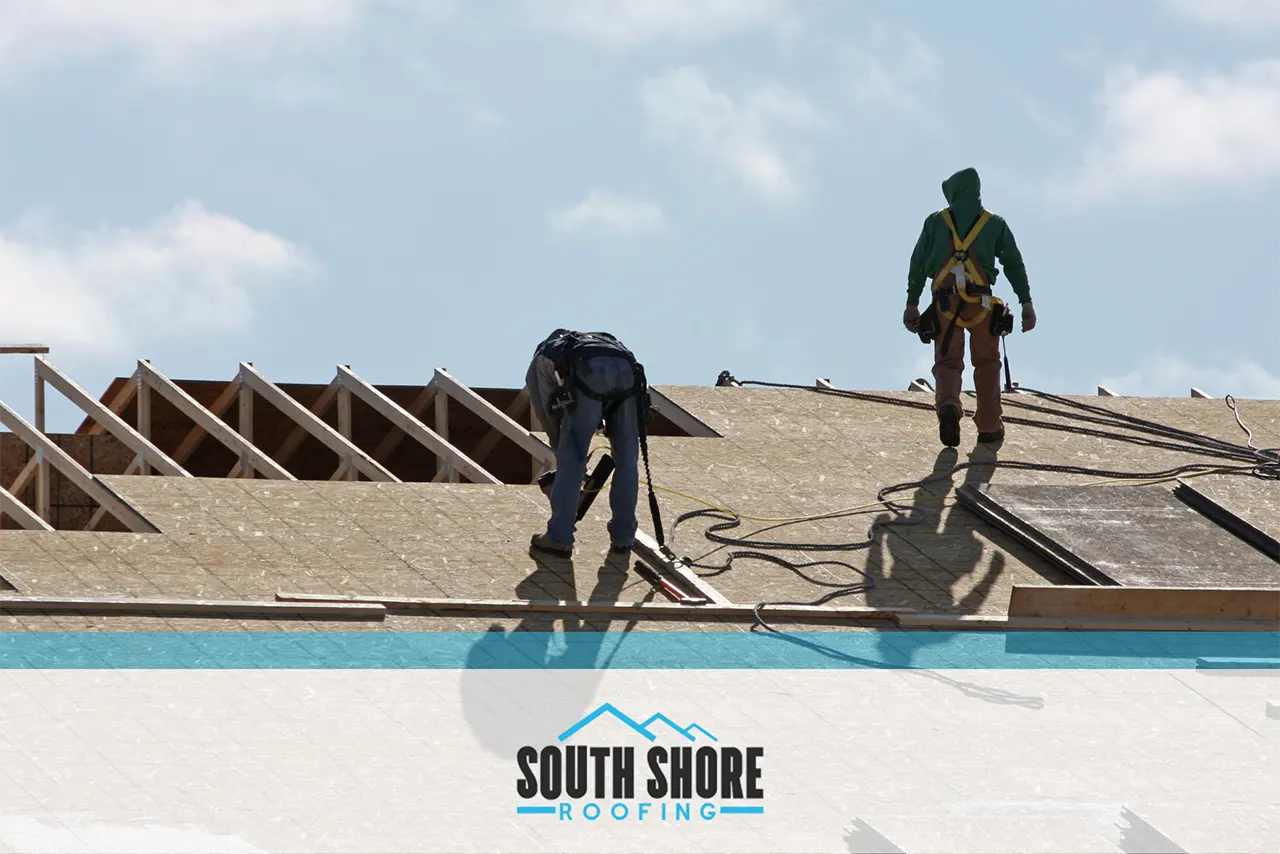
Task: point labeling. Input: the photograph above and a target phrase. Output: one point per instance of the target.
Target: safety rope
(1261, 463)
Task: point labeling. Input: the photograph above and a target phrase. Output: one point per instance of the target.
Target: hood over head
(963, 192)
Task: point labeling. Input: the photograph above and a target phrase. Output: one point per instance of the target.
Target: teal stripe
(633, 651)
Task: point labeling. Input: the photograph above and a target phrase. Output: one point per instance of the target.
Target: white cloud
(1165, 375)
(1164, 131)
(168, 35)
(626, 23)
(742, 137)
(1245, 14)
(189, 272)
(605, 211)
(892, 68)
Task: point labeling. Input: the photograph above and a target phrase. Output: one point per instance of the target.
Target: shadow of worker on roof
(524, 686)
(944, 564)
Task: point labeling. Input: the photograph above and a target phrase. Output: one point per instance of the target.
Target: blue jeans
(603, 375)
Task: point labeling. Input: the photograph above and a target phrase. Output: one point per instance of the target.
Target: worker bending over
(579, 382)
(958, 247)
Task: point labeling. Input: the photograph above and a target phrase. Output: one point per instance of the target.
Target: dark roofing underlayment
(1125, 537)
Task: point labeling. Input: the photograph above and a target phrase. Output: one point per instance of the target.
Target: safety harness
(569, 353)
(962, 276)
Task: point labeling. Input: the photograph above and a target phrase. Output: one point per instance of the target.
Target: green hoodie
(963, 192)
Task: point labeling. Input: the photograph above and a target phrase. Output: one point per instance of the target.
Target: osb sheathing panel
(786, 453)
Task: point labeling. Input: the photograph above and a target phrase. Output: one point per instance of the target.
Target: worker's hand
(911, 318)
(1028, 317)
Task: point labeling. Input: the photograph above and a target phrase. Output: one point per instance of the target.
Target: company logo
(681, 774)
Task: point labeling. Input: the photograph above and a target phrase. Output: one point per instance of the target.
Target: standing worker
(958, 247)
(577, 382)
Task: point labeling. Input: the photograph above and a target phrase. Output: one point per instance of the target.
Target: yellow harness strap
(960, 253)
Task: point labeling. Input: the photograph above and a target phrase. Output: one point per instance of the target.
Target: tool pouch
(1001, 322)
(930, 324)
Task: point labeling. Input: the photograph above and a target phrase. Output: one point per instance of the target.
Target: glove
(911, 318)
(1028, 317)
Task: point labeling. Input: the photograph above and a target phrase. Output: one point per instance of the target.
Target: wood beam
(197, 433)
(148, 452)
(967, 622)
(456, 461)
(15, 349)
(44, 496)
(493, 437)
(295, 439)
(144, 420)
(302, 416)
(244, 423)
(191, 607)
(450, 386)
(20, 482)
(75, 472)
(210, 424)
(117, 403)
(415, 408)
(444, 470)
(1202, 603)
(630, 609)
(347, 468)
(21, 513)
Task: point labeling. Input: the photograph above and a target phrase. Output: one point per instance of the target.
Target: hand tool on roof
(594, 483)
(675, 594)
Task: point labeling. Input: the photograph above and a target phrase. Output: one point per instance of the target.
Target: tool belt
(999, 315)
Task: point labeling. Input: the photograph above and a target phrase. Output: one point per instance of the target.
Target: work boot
(993, 438)
(542, 543)
(949, 425)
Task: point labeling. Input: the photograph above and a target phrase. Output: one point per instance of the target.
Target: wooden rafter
(74, 472)
(448, 385)
(395, 436)
(197, 433)
(295, 438)
(251, 455)
(117, 404)
(20, 482)
(21, 513)
(413, 428)
(493, 437)
(304, 418)
(131, 438)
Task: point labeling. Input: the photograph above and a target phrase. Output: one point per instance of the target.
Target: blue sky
(399, 185)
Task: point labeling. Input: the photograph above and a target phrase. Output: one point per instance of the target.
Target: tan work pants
(948, 368)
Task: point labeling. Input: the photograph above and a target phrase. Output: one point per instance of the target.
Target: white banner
(1054, 760)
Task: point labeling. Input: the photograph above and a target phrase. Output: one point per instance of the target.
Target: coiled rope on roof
(1263, 463)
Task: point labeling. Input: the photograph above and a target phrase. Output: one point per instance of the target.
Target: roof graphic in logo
(689, 732)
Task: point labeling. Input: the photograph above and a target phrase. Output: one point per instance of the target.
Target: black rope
(1246, 459)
